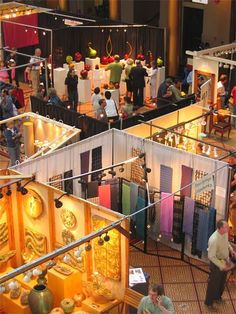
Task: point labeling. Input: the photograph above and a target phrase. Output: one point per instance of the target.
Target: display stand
(13, 305)
(122, 83)
(147, 89)
(92, 62)
(28, 131)
(84, 90)
(106, 76)
(64, 286)
(161, 74)
(89, 305)
(79, 66)
(97, 77)
(59, 81)
(115, 95)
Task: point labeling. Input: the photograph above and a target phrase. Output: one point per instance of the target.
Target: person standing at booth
(219, 254)
(137, 74)
(12, 136)
(233, 95)
(72, 83)
(116, 70)
(35, 70)
(156, 302)
(11, 61)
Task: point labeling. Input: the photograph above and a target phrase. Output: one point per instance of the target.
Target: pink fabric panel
(15, 35)
(104, 193)
(167, 210)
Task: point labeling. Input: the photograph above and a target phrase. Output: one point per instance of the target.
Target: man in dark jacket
(72, 82)
(137, 75)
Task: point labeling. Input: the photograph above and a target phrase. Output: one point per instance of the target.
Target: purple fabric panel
(167, 211)
(187, 175)
(189, 205)
(166, 174)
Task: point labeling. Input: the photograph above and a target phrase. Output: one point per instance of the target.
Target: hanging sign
(72, 22)
(206, 183)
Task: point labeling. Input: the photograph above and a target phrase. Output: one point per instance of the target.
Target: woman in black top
(72, 81)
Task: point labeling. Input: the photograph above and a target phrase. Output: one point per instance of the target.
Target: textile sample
(178, 220)
(140, 219)
(125, 198)
(96, 162)
(104, 192)
(57, 185)
(206, 196)
(84, 165)
(189, 205)
(202, 235)
(92, 189)
(115, 193)
(68, 184)
(187, 175)
(167, 208)
(166, 174)
(133, 196)
(136, 170)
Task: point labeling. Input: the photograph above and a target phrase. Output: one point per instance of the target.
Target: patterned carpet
(183, 283)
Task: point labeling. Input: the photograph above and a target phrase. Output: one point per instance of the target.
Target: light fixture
(112, 172)
(203, 122)
(44, 33)
(58, 203)
(142, 155)
(9, 192)
(106, 237)
(88, 247)
(220, 65)
(100, 241)
(215, 152)
(37, 272)
(121, 169)
(226, 66)
(1, 195)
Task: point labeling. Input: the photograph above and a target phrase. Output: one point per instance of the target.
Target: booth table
(92, 308)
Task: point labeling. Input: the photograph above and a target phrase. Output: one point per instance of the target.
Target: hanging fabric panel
(68, 184)
(115, 193)
(202, 234)
(178, 221)
(212, 221)
(133, 196)
(104, 192)
(167, 207)
(187, 175)
(84, 164)
(140, 219)
(96, 162)
(166, 174)
(189, 205)
(125, 198)
(92, 189)
(194, 249)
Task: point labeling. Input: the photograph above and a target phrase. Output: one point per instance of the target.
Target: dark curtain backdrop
(146, 39)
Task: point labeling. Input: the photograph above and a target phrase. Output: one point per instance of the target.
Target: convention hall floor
(184, 284)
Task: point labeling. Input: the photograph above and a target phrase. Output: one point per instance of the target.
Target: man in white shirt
(35, 70)
(111, 109)
(221, 89)
(219, 252)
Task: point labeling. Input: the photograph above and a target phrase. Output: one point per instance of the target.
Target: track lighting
(100, 241)
(8, 193)
(142, 155)
(122, 169)
(58, 203)
(1, 195)
(112, 172)
(23, 189)
(106, 237)
(88, 247)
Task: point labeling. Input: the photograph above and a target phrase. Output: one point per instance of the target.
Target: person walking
(137, 74)
(219, 253)
(12, 136)
(72, 83)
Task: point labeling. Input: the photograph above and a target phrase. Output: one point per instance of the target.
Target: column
(28, 132)
(173, 36)
(63, 4)
(114, 9)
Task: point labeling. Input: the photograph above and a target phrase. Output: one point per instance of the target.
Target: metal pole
(51, 49)
(46, 75)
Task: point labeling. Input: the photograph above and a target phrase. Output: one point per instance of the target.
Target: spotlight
(106, 237)
(148, 170)
(142, 155)
(112, 172)
(23, 190)
(88, 247)
(44, 33)
(100, 241)
(8, 193)
(55, 18)
(18, 186)
(122, 169)
(1, 195)
(58, 203)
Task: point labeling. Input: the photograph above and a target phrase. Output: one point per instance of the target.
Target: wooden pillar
(173, 36)
(114, 9)
(28, 131)
(63, 5)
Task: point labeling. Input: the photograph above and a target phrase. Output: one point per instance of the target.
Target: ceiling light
(100, 241)
(88, 247)
(106, 237)
(9, 192)
(1, 195)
